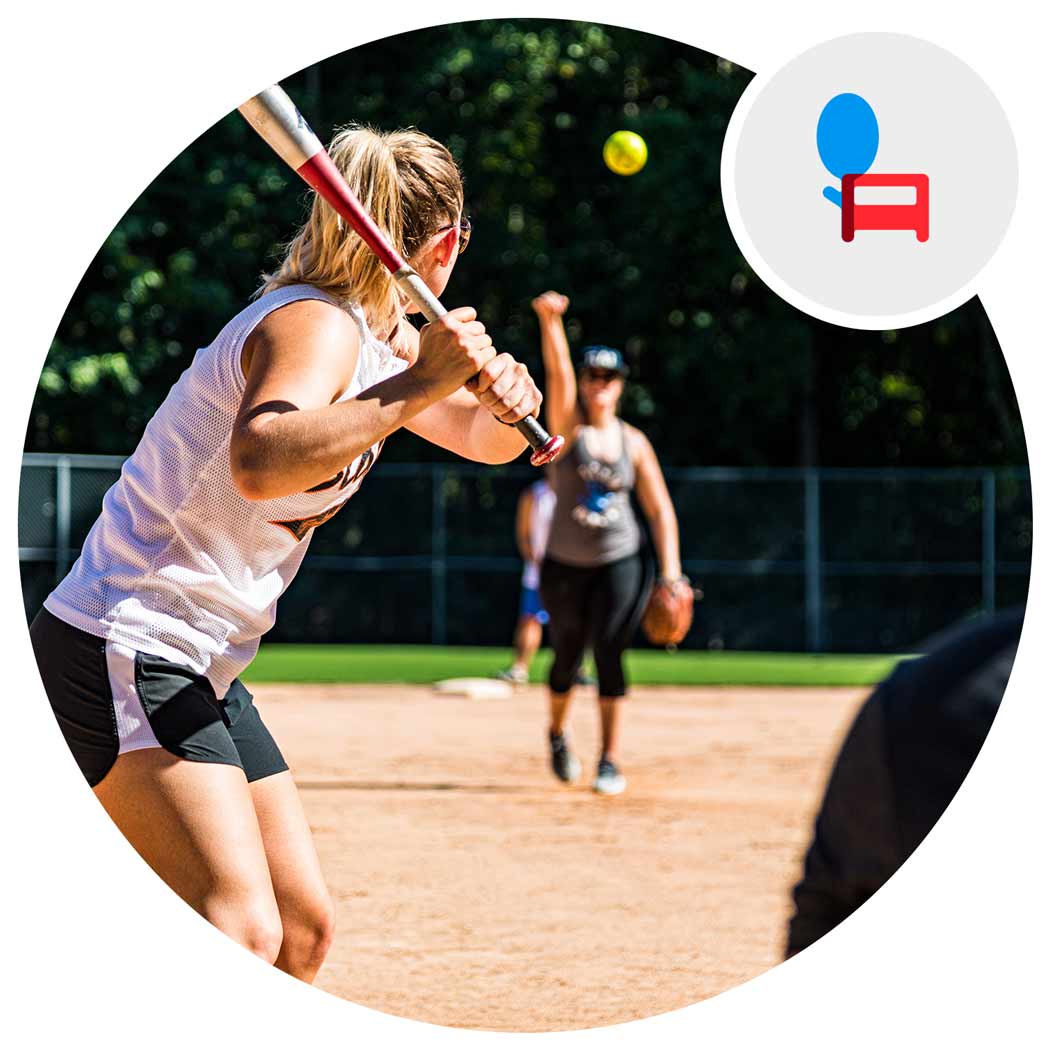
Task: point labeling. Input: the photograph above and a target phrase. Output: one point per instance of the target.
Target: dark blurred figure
(905, 756)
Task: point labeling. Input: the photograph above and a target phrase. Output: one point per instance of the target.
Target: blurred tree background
(724, 372)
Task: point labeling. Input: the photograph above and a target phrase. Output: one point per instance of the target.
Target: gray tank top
(594, 522)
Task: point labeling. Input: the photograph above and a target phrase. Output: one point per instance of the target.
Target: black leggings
(597, 605)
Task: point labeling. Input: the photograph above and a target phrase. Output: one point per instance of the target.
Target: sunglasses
(464, 232)
(601, 375)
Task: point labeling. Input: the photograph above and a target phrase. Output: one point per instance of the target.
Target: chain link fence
(859, 560)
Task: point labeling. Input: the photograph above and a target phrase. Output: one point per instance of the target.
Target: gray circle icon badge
(870, 180)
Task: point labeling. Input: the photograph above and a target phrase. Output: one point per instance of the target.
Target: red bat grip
(321, 173)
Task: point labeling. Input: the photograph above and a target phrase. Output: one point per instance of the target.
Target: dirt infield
(474, 890)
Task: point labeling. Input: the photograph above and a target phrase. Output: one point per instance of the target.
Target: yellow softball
(625, 153)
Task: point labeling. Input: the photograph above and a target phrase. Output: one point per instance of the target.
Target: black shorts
(184, 715)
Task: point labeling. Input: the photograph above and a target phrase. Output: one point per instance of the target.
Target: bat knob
(548, 452)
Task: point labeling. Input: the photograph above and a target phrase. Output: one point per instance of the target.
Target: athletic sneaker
(609, 780)
(565, 764)
(514, 675)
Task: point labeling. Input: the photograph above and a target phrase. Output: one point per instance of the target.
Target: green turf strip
(425, 664)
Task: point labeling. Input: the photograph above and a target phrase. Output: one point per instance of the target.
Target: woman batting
(266, 435)
(594, 579)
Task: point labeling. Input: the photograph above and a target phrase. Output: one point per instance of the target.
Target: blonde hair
(409, 184)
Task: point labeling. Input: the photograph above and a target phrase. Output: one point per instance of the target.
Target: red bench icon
(886, 216)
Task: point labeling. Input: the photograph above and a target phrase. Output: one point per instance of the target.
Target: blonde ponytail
(409, 184)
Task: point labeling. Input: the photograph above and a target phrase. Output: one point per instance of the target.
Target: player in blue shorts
(532, 524)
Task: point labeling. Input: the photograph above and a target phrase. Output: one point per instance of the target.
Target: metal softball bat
(275, 117)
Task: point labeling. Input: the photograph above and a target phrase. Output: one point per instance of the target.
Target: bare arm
(291, 433)
(657, 505)
(461, 425)
(474, 425)
(562, 411)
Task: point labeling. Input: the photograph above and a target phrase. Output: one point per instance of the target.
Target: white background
(99, 98)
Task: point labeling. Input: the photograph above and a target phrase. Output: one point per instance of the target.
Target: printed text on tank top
(353, 474)
(350, 477)
(604, 503)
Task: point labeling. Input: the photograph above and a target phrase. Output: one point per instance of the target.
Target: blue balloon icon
(847, 139)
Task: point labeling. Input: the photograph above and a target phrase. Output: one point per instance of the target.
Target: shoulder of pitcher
(639, 448)
(572, 435)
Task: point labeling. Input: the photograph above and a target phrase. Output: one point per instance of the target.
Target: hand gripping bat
(274, 116)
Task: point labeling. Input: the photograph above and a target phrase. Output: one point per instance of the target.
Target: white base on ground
(475, 688)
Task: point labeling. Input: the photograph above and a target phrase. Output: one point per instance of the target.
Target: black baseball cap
(604, 358)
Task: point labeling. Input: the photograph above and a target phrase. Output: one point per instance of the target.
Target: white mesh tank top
(179, 564)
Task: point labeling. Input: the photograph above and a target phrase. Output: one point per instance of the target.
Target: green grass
(425, 664)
